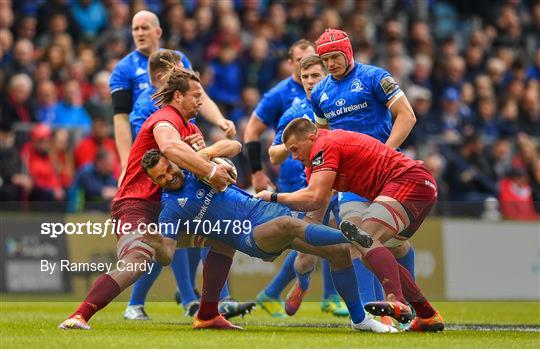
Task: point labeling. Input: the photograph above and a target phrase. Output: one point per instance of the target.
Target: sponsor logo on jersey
(206, 203)
(317, 159)
(182, 201)
(345, 109)
(340, 102)
(140, 71)
(200, 194)
(356, 86)
(388, 85)
(324, 97)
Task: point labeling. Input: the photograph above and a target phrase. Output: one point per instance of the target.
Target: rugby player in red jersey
(138, 199)
(401, 192)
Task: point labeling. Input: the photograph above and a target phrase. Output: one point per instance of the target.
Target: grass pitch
(469, 325)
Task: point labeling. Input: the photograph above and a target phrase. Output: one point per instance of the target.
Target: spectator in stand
(426, 124)
(452, 120)
(16, 106)
(55, 17)
(486, 121)
(22, 61)
(97, 182)
(225, 87)
(14, 184)
(62, 157)
(70, 113)
(516, 197)
(6, 44)
(100, 104)
(76, 72)
(91, 17)
(500, 158)
(25, 27)
(56, 57)
(528, 158)
(47, 102)
(258, 67)
(100, 139)
(509, 113)
(36, 159)
(530, 110)
(422, 68)
(250, 99)
(190, 42)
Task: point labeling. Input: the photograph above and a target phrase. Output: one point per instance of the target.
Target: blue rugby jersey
(131, 73)
(277, 100)
(357, 102)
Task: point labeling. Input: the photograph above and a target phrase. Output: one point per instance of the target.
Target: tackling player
(401, 192)
(137, 199)
(255, 227)
(159, 63)
(312, 71)
(129, 78)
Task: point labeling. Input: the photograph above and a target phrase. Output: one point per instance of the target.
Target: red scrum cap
(335, 40)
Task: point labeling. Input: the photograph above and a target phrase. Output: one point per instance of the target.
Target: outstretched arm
(312, 198)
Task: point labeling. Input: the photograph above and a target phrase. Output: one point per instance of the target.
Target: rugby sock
(304, 278)
(215, 271)
(385, 267)
(407, 261)
(180, 268)
(377, 287)
(365, 281)
(103, 291)
(328, 284)
(414, 296)
(282, 278)
(194, 258)
(347, 287)
(143, 284)
(321, 235)
(225, 291)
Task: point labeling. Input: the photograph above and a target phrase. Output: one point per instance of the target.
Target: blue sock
(180, 268)
(407, 261)
(328, 284)
(379, 291)
(304, 278)
(321, 235)
(225, 290)
(347, 287)
(365, 281)
(143, 285)
(282, 278)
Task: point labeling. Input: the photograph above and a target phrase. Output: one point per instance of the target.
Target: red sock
(215, 271)
(385, 267)
(104, 290)
(413, 294)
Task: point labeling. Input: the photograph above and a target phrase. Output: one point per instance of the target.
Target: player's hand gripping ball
(222, 161)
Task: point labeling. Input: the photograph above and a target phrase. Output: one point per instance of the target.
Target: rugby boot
(356, 236)
(218, 322)
(294, 299)
(434, 323)
(75, 322)
(370, 324)
(274, 307)
(395, 309)
(334, 305)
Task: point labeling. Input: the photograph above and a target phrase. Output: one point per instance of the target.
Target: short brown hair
(150, 159)
(299, 127)
(176, 79)
(311, 60)
(302, 44)
(162, 60)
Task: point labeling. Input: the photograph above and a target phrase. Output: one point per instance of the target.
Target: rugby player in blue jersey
(185, 263)
(366, 99)
(129, 78)
(257, 228)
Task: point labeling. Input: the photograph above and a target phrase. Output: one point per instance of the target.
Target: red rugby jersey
(362, 163)
(136, 184)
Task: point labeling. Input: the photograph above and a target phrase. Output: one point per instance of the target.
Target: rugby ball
(222, 161)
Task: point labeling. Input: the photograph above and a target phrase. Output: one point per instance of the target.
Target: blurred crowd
(471, 71)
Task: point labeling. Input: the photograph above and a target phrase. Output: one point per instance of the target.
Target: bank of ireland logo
(356, 86)
(199, 194)
(340, 102)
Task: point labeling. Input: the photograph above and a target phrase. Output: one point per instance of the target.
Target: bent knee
(339, 255)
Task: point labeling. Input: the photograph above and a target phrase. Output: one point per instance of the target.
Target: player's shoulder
(370, 71)
(283, 87)
(127, 62)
